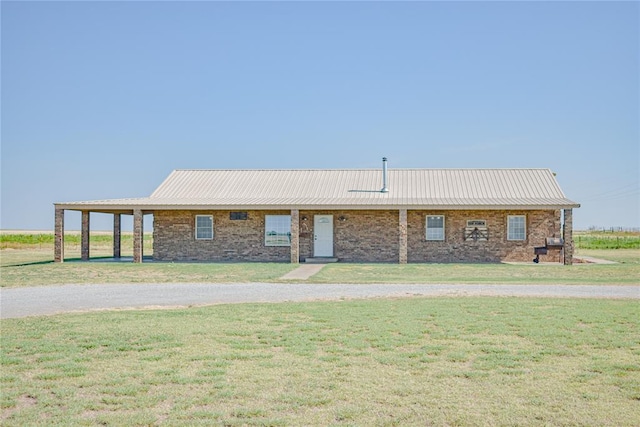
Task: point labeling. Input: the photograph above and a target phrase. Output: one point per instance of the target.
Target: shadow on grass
(110, 259)
(75, 259)
(22, 264)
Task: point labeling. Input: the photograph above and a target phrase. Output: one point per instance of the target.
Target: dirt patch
(24, 401)
(591, 260)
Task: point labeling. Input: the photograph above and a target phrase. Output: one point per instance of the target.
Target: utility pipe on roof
(384, 176)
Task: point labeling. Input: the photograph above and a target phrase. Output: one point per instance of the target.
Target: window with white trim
(435, 227)
(516, 227)
(277, 230)
(204, 227)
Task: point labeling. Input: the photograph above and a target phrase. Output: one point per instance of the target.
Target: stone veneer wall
(539, 226)
(233, 240)
(363, 236)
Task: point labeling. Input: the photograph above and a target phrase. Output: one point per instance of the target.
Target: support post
(137, 235)
(295, 236)
(117, 235)
(84, 240)
(58, 246)
(567, 235)
(402, 231)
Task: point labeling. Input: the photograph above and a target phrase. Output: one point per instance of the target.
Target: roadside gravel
(47, 300)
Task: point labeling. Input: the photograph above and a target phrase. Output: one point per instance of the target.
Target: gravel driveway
(45, 300)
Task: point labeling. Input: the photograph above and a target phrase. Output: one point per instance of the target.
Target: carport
(138, 229)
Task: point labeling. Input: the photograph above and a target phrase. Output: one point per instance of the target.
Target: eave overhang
(146, 205)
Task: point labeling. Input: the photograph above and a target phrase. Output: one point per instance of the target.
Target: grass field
(26, 260)
(384, 362)
(606, 240)
(444, 361)
(23, 248)
(37, 273)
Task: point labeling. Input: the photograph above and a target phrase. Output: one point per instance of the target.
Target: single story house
(354, 215)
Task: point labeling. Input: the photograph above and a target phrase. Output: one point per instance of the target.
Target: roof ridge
(351, 169)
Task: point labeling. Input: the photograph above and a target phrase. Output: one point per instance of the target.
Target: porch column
(84, 240)
(402, 231)
(117, 235)
(567, 235)
(137, 235)
(58, 245)
(295, 236)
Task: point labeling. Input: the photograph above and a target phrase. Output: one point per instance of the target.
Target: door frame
(326, 235)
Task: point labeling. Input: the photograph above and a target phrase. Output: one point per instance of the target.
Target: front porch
(116, 253)
(355, 235)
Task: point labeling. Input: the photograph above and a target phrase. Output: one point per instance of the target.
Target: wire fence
(614, 229)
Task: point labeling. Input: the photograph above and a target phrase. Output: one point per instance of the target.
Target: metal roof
(348, 189)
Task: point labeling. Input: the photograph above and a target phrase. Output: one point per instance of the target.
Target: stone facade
(359, 236)
(233, 240)
(58, 248)
(567, 231)
(138, 235)
(403, 242)
(117, 235)
(295, 237)
(539, 226)
(84, 236)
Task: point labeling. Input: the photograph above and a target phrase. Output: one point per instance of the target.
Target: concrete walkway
(303, 272)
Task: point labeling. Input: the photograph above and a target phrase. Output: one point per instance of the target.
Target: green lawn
(606, 240)
(421, 361)
(93, 272)
(625, 256)
(34, 268)
(27, 260)
(618, 274)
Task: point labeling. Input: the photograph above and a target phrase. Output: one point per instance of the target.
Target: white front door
(323, 235)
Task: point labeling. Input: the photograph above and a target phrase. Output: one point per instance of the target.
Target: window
(238, 216)
(435, 227)
(204, 227)
(277, 230)
(516, 227)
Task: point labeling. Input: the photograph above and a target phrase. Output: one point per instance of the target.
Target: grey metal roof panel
(354, 187)
(407, 183)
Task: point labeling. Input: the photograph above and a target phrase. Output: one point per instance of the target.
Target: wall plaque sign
(476, 223)
(476, 230)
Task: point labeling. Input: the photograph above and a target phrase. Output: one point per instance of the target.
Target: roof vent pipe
(384, 176)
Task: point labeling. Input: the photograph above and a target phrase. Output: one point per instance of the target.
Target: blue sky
(103, 99)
